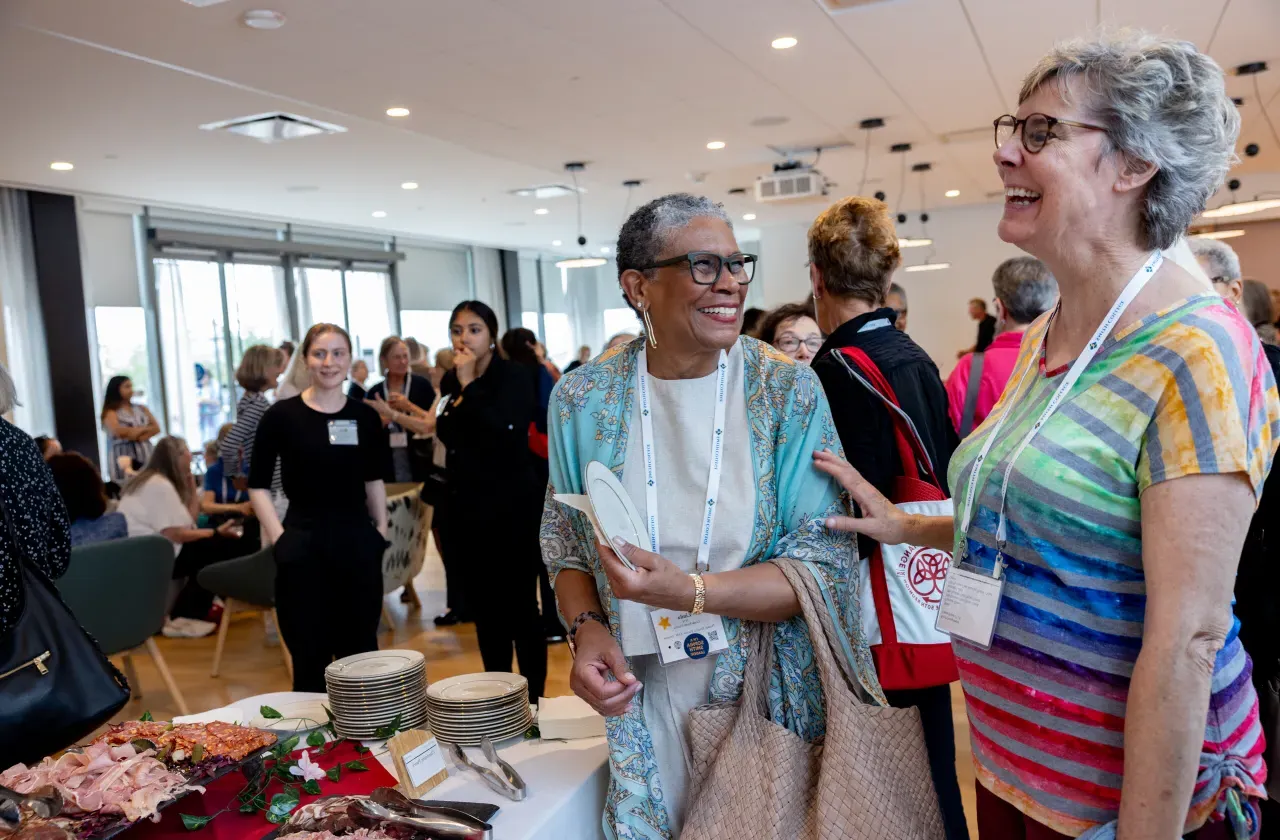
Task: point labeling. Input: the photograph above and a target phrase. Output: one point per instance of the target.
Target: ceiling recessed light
(784, 43)
(263, 19)
(604, 250)
(748, 217)
(379, 214)
(541, 211)
(61, 166)
(908, 242)
(397, 112)
(951, 193)
(409, 185)
(715, 144)
(556, 243)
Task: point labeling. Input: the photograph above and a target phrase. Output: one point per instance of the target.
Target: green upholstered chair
(247, 585)
(119, 591)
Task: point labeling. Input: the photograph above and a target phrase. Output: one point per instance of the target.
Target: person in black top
(492, 511)
(399, 388)
(853, 252)
(986, 327)
(333, 454)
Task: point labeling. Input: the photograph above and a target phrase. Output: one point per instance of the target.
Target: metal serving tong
(388, 805)
(43, 802)
(509, 784)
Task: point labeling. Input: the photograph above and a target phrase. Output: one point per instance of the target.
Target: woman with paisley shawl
(681, 269)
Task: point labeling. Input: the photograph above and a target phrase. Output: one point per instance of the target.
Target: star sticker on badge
(664, 623)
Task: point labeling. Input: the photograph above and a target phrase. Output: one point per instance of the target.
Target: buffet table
(567, 780)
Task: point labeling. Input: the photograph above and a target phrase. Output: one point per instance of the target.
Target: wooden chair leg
(386, 615)
(227, 611)
(170, 683)
(414, 600)
(131, 674)
(288, 657)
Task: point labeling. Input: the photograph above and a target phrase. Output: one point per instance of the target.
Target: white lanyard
(651, 471)
(1136, 284)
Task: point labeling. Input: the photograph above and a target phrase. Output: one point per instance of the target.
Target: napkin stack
(568, 718)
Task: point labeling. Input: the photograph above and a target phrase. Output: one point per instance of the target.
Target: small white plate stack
(369, 690)
(466, 709)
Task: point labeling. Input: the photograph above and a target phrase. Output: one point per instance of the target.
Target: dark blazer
(421, 393)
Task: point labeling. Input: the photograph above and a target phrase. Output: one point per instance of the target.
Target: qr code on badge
(715, 635)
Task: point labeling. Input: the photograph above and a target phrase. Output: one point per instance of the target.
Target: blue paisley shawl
(789, 419)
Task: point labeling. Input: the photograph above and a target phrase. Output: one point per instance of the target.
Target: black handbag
(56, 685)
(435, 484)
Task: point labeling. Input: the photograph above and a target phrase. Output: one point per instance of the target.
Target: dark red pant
(998, 820)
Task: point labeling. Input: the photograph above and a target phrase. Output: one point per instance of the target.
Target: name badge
(399, 440)
(970, 604)
(683, 635)
(343, 433)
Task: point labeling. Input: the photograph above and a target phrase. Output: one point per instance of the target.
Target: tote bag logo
(924, 570)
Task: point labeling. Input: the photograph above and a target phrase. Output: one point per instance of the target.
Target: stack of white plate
(465, 709)
(370, 690)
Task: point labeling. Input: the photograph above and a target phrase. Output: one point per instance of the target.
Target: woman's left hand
(655, 581)
(380, 405)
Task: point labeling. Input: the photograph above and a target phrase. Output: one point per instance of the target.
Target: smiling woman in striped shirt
(1114, 481)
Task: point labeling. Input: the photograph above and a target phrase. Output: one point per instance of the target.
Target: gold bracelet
(699, 594)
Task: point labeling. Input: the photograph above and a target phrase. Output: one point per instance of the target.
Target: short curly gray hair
(1162, 101)
(1221, 257)
(1025, 287)
(645, 232)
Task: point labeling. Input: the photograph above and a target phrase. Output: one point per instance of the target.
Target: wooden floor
(250, 666)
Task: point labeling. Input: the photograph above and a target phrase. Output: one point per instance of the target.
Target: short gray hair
(1161, 101)
(646, 231)
(8, 392)
(1025, 288)
(895, 289)
(1221, 257)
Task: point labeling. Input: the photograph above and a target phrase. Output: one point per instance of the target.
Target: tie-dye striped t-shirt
(1183, 391)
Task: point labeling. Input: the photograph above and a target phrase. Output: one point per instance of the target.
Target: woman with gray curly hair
(1102, 506)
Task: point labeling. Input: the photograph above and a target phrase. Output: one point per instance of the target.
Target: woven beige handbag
(868, 777)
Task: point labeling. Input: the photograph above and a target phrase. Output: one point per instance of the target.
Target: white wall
(937, 301)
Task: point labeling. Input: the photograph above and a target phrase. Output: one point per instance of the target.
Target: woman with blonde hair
(161, 499)
(258, 373)
(401, 390)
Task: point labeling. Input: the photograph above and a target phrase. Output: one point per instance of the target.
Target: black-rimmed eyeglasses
(1036, 129)
(705, 266)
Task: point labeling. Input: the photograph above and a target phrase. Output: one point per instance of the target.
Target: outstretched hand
(881, 520)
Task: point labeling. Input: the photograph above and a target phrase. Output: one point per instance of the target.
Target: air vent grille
(274, 127)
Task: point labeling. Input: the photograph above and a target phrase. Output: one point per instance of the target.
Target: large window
(357, 299)
(429, 326)
(122, 347)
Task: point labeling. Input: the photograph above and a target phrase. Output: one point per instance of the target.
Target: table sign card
(419, 762)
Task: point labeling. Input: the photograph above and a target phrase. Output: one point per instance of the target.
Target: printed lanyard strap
(1131, 291)
(651, 471)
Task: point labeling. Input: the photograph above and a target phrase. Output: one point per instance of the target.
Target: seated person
(93, 518)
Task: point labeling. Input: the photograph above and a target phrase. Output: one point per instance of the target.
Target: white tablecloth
(567, 780)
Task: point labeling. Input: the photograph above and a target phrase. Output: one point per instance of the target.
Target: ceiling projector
(791, 181)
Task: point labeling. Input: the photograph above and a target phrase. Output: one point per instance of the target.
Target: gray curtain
(24, 349)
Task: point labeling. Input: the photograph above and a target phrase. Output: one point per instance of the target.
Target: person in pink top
(1024, 291)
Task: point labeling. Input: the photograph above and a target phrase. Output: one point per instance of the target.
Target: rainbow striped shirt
(1183, 391)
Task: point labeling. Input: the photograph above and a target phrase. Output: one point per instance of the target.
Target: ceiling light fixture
(748, 217)
(541, 211)
(1219, 234)
(397, 112)
(952, 193)
(61, 166)
(265, 19)
(409, 185)
(583, 261)
(379, 214)
(556, 243)
(1241, 208)
(784, 43)
(916, 242)
(715, 145)
(604, 250)
(928, 266)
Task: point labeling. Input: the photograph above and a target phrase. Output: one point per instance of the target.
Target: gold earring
(648, 327)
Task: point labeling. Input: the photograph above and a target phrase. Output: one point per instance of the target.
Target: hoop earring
(648, 327)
